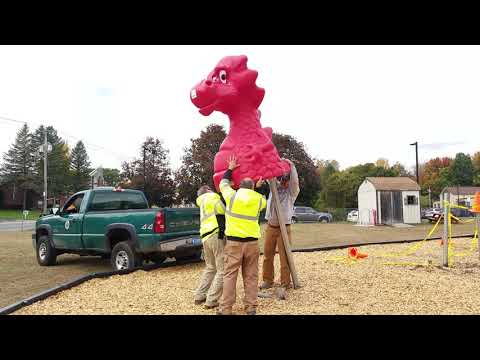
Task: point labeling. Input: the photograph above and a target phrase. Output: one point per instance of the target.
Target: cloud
(441, 145)
(104, 91)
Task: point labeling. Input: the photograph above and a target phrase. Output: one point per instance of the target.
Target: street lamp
(416, 155)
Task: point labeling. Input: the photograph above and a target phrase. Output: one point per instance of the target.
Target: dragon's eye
(223, 76)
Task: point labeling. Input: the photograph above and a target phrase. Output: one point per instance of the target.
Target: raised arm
(225, 187)
(293, 184)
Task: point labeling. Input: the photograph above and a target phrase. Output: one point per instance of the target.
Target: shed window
(411, 200)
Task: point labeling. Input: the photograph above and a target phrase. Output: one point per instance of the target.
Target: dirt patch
(379, 284)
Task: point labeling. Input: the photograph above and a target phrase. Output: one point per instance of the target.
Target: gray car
(307, 214)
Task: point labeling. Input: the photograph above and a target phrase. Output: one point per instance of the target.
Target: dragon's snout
(203, 97)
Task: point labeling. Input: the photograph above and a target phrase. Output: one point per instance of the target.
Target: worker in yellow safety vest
(212, 227)
(242, 232)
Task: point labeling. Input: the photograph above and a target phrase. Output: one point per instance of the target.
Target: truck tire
(323, 219)
(125, 257)
(46, 254)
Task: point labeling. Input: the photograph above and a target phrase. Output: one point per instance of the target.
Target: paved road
(13, 225)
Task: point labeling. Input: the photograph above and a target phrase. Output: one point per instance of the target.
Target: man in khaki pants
(212, 226)
(242, 231)
(288, 190)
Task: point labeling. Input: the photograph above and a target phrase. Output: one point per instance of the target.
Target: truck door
(67, 229)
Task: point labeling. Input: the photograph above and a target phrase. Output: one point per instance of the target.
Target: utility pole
(416, 156)
(144, 173)
(45, 157)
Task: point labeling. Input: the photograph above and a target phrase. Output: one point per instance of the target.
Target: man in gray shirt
(288, 190)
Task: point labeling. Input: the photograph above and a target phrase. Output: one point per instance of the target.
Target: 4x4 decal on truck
(147, 226)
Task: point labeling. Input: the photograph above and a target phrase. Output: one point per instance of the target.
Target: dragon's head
(228, 88)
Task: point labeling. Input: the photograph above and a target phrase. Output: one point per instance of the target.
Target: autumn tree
(290, 148)
(151, 173)
(476, 166)
(197, 163)
(382, 162)
(435, 175)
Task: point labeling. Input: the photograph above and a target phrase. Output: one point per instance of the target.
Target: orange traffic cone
(476, 203)
(355, 254)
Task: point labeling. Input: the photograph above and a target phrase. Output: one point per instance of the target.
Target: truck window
(117, 201)
(73, 205)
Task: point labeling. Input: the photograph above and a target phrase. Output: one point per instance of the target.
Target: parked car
(353, 216)
(117, 224)
(307, 214)
(432, 215)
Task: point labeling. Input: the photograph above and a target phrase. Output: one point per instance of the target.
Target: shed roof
(462, 190)
(402, 183)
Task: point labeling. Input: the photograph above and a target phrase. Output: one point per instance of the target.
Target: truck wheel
(294, 220)
(46, 254)
(323, 220)
(124, 257)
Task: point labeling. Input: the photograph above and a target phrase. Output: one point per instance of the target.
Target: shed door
(391, 207)
(397, 203)
(386, 207)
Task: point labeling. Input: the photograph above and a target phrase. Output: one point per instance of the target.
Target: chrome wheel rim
(121, 260)
(42, 251)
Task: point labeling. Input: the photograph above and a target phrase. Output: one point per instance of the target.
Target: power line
(119, 156)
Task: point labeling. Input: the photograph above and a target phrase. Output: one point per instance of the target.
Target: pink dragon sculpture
(231, 89)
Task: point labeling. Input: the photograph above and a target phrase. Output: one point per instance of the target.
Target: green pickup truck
(119, 224)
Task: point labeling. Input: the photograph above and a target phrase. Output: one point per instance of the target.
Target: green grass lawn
(18, 214)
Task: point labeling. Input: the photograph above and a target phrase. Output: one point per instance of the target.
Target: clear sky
(349, 103)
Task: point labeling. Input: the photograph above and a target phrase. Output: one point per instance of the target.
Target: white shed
(389, 200)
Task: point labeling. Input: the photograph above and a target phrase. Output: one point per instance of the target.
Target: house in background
(388, 201)
(11, 197)
(458, 195)
(96, 178)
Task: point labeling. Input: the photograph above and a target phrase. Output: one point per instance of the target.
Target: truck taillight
(159, 224)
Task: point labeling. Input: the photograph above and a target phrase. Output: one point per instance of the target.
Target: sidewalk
(16, 225)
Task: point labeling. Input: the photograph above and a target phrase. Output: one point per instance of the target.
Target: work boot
(200, 302)
(252, 312)
(211, 306)
(265, 285)
(220, 312)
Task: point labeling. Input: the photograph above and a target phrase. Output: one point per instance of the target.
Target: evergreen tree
(58, 163)
(79, 167)
(462, 170)
(19, 164)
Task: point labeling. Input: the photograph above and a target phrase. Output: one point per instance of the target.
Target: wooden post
(283, 229)
(445, 234)
(478, 234)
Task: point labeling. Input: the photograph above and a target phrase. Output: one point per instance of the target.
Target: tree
(111, 176)
(435, 175)
(382, 162)
(80, 167)
(476, 166)
(462, 170)
(151, 173)
(58, 163)
(197, 163)
(290, 148)
(19, 164)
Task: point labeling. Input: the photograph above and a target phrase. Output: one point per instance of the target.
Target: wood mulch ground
(379, 284)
